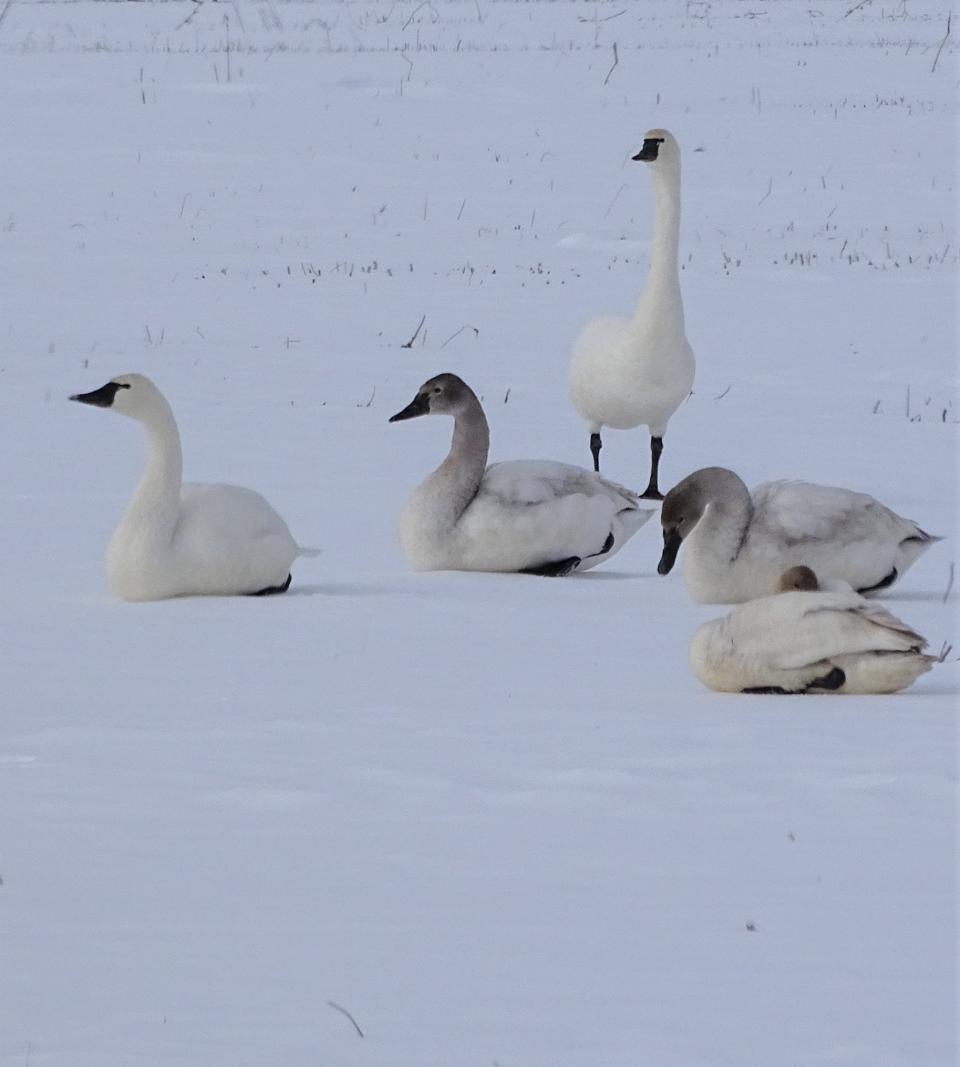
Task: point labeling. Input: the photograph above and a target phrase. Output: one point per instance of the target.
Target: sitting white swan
(808, 642)
(183, 539)
(637, 371)
(739, 542)
(531, 516)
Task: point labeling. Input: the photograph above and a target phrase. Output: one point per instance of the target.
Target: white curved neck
(663, 282)
(155, 508)
(459, 476)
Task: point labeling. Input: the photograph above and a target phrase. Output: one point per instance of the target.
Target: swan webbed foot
(557, 569)
(595, 445)
(766, 690)
(271, 590)
(651, 493)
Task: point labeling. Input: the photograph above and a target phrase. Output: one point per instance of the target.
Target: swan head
(446, 394)
(682, 509)
(659, 147)
(128, 394)
(798, 579)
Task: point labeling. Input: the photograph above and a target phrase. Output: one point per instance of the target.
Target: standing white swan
(631, 372)
(185, 539)
(808, 642)
(740, 542)
(535, 517)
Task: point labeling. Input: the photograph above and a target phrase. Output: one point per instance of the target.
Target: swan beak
(99, 398)
(647, 154)
(671, 546)
(420, 405)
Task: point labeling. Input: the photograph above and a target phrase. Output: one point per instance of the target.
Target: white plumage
(738, 542)
(188, 539)
(809, 642)
(628, 372)
(524, 515)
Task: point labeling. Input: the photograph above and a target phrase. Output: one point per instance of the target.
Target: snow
(495, 818)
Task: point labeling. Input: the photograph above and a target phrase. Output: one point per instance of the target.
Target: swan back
(799, 641)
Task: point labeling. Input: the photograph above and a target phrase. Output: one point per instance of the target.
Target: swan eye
(437, 390)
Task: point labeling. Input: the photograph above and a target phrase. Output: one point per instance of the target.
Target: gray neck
(462, 471)
(663, 283)
(728, 513)
(155, 508)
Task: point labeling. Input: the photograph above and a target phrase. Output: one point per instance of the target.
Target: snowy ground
(495, 818)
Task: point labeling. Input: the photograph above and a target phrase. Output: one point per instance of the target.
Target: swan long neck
(729, 512)
(662, 290)
(463, 469)
(155, 508)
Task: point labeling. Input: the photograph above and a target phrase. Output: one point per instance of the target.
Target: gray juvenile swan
(806, 641)
(186, 539)
(739, 542)
(534, 517)
(637, 371)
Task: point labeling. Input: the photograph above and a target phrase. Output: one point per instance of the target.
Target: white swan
(637, 371)
(739, 542)
(531, 516)
(808, 642)
(184, 539)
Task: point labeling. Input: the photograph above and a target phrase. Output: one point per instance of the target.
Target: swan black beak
(420, 405)
(647, 154)
(102, 397)
(671, 546)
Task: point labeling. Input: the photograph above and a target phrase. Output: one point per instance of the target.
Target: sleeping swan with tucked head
(805, 641)
(180, 539)
(535, 517)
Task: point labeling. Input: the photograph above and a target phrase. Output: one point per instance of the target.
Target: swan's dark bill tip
(102, 397)
(420, 405)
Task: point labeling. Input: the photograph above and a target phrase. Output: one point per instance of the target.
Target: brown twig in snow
(416, 332)
(466, 326)
(856, 7)
(936, 59)
(616, 60)
(6, 8)
(189, 17)
(343, 1011)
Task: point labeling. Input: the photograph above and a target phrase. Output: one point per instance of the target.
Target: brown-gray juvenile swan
(739, 542)
(535, 517)
(180, 539)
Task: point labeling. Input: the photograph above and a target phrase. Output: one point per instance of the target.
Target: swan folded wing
(800, 511)
(524, 482)
(513, 532)
(232, 512)
(794, 630)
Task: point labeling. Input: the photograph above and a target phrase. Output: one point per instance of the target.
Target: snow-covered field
(494, 818)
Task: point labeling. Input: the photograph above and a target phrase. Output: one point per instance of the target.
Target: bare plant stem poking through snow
(616, 61)
(409, 344)
(343, 1011)
(936, 58)
(466, 326)
(946, 592)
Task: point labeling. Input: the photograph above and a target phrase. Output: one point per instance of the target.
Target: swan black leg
(595, 445)
(272, 589)
(652, 492)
